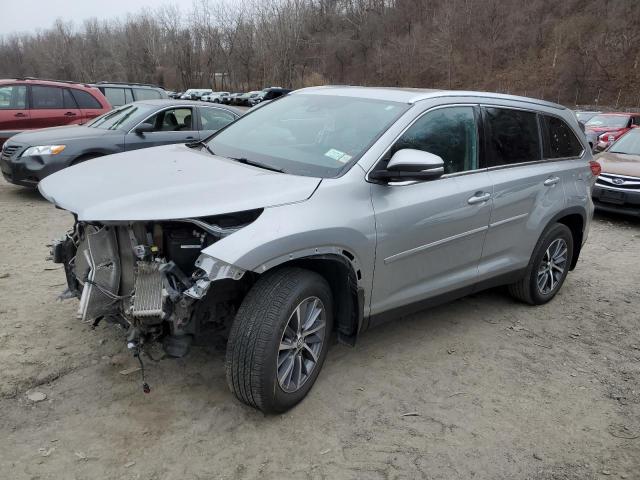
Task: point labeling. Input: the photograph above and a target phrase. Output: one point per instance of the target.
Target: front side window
(451, 133)
(512, 136)
(171, 120)
(215, 118)
(308, 134)
(13, 97)
(559, 139)
(46, 97)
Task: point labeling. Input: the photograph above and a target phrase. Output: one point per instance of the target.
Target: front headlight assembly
(43, 150)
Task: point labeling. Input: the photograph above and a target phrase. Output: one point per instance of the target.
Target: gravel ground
(482, 388)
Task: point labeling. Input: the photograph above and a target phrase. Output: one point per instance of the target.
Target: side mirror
(409, 164)
(144, 128)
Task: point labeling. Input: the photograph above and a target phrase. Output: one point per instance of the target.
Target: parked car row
(247, 99)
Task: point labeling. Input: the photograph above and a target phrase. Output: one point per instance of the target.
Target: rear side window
(46, 97)
(85, 99)
(513, 136)
(450, 133)
(115, 96)
(559, 139)
(146, 94)
(13, 97)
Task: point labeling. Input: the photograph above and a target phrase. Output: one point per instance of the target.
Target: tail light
(595, 168)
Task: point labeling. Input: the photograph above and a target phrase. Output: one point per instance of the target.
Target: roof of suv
(126, 84)
(38, 81)
(412, 95)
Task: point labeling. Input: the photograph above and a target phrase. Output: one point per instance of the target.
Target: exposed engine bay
(153, 279)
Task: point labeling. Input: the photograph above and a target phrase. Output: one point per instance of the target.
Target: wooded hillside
(571, 51)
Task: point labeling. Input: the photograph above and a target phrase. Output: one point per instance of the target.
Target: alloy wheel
(301, 344)
(552, 266)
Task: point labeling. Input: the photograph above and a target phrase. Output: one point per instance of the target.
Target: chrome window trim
(618, 189)
(404, 130)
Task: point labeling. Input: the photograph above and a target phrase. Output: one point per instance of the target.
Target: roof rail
(53, 80)
(103, 82)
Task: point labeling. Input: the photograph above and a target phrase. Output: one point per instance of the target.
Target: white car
(195, 93)
(215, 97)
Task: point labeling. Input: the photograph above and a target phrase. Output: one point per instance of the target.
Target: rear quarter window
(85, 99)
(146, 94)
(512, 136)
(559, 141)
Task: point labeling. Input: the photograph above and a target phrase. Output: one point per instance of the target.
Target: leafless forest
(570, 51)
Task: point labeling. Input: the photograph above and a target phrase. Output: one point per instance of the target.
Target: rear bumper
(616, 200)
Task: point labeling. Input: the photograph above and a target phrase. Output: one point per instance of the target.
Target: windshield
(628, 144)
(610, 121)
(312, 135)
(123, 117)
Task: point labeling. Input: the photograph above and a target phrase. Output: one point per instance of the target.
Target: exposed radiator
(147, 300)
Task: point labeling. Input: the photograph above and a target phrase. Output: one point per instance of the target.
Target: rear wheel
(548, 267)
(279, 339)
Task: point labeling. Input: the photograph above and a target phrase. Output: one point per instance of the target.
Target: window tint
(215, 118)
(13, 97)
(128, 95)
(512, 136)
(450, 133)
(559, 139)
(46, 97)
(85, 99)
(68, 99)
(146, 94)
(172, 120)
(115, 96)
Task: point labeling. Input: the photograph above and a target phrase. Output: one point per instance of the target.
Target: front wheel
(548, 267)
(279, 339)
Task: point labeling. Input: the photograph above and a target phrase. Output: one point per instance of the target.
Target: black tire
(527, 289)
(254, 341)
(216, 101)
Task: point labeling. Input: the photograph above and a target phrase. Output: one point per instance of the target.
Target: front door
(173, 125)
(430, 234)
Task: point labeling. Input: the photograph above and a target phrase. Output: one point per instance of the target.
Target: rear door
(53, 106)
(213, 119)
(89, 106)
(528, 190)
(171, 125)
(14, 114)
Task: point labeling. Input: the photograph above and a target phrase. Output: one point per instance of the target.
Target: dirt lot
(495, 389)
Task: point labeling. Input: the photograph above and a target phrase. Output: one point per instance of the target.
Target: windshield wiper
(253, 163)
(200, 143)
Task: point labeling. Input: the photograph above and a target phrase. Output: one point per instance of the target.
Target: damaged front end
(152, 279)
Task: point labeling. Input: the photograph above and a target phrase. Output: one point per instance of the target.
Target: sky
(30, 15)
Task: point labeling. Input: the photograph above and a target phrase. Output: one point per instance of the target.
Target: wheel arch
(575, 219)
(340, 269)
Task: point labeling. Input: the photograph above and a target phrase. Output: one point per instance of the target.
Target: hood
(619, 164)
(169, 182)
(58, 135)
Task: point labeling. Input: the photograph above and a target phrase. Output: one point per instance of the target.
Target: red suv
(29, 103)
(605, 128)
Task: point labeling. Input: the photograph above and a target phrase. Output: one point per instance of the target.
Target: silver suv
(330, 209)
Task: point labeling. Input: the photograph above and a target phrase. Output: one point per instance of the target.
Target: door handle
(479, 197)
(70, 114)
(551, 181)
(20, 115)
(191, 138)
